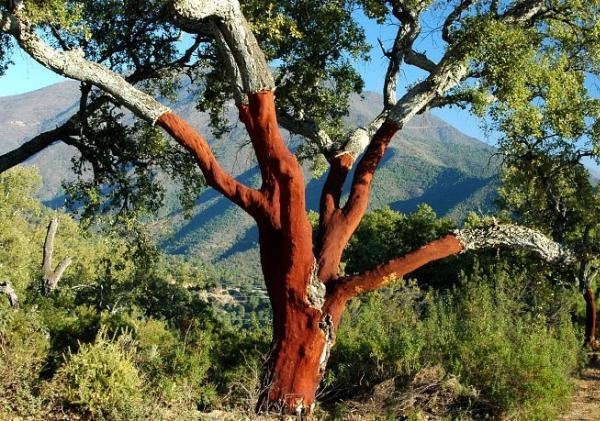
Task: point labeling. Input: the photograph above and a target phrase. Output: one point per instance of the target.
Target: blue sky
(26, 75)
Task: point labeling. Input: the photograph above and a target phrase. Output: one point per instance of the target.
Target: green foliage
(134, 338)
(59, 13)
(102, 378)
(493, 331)
(384, 234)
(24, 345)
(20, 215)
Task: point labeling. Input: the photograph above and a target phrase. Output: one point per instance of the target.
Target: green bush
(103, 380)
(176, 367)
(502, 333)
(24, 345)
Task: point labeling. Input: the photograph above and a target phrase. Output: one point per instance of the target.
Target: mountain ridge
(428, 161)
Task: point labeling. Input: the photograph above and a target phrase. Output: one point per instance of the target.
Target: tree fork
(51, 278)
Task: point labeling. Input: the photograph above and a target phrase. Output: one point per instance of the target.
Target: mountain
(429, 161)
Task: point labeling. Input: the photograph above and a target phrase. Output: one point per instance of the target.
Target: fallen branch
(7, 289)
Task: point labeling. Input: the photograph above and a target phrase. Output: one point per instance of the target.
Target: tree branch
(419, 60)
(228, 18)
(452, 18)
(361, 184)
(32, 147)
(71, 127)
(406, 35)
(305, 128)
(506, 236)
(332, 189)
(250, 200)
(72, 64)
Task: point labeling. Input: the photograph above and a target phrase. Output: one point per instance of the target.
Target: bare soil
(586, 402)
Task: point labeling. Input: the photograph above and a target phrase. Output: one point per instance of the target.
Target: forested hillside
(429, 162)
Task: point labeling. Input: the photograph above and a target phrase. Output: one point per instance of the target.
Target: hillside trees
(501, 57)
(545, 185)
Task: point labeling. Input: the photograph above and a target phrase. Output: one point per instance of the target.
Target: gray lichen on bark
(515, 236)
(315, 291)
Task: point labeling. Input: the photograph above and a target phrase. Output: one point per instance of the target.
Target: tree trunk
(302, 340)
(296, 362)
(590, 317)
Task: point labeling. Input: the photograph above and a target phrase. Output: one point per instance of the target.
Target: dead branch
(52, 277)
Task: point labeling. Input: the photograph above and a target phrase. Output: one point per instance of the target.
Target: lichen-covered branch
(73, 64)
(496, 236)
(517, 237)
(227, 17)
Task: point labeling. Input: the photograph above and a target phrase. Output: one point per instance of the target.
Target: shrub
(176, 367)
(24, 345)
(103, 380)
(502, 334)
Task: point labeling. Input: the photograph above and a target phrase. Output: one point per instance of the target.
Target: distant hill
(429, 161)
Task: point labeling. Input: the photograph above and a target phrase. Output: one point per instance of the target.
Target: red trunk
(590, 317)
(305, 289)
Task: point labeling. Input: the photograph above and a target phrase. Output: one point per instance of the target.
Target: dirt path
(586, 402)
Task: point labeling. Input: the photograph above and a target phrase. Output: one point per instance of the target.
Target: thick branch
(332, 190)
(228, 18)
(72, 64)
(361, 184)
(358, 139)
(407, 33)
(51, 278)
(32, 147)
(248, 199)
(419, 60)
(518, 237)
(7, 289)
(508, 236)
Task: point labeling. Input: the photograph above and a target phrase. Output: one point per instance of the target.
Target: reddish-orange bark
(248, 199)
(590, 317)
(382, 274)
(361, 184)
(332, 190)
(337, 225)
(305, 318)
(287, 262)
